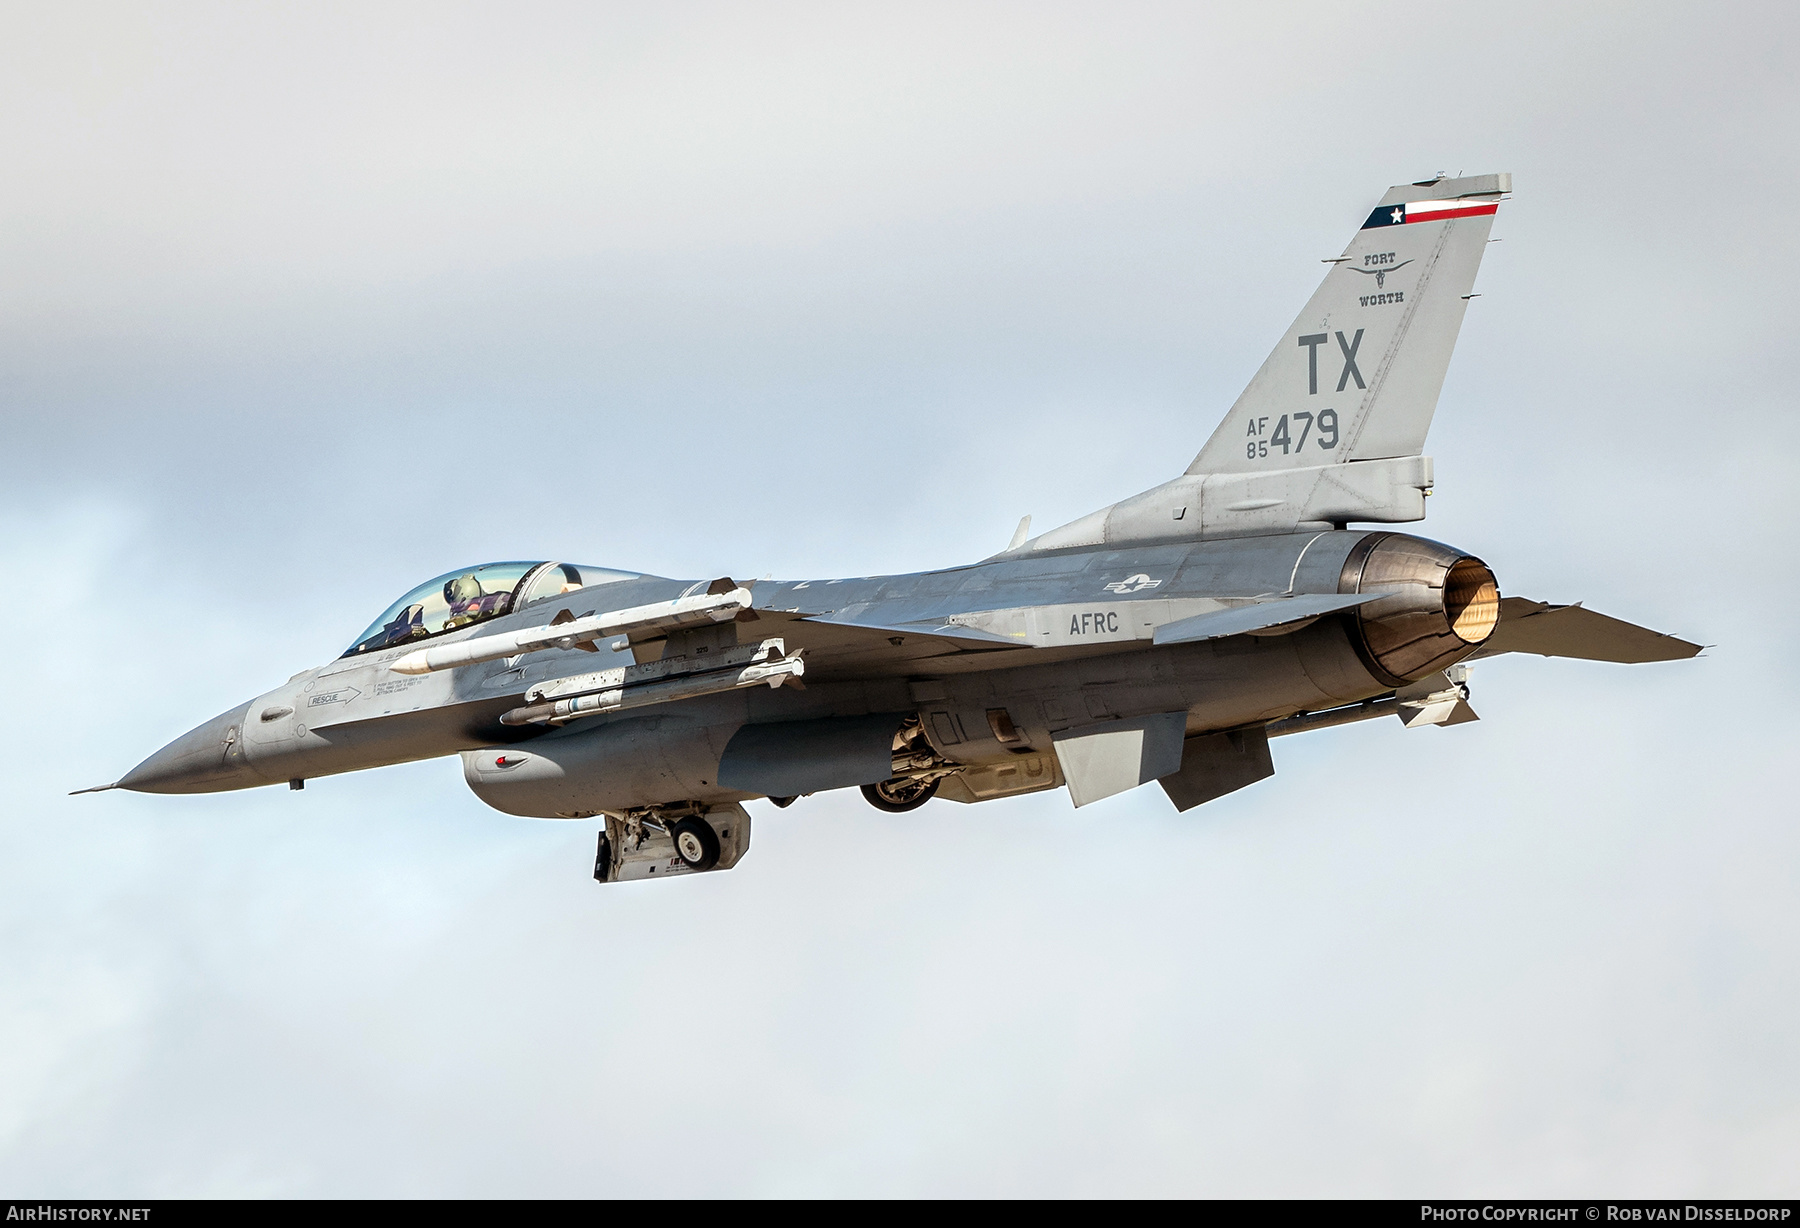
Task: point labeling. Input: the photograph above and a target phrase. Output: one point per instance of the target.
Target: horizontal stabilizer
(1546, 630)
(1266, 614)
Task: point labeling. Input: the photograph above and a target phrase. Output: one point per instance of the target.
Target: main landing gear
(901, 794)
(918, 770)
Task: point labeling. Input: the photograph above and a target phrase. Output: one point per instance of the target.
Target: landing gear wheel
(696, 844)
(899, 795)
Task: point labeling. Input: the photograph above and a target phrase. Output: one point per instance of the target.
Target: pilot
(469, 604)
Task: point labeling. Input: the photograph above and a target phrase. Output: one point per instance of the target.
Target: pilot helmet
(461, 589)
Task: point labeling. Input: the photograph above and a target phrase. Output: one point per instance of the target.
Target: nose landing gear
(696, 844)
(669, 841)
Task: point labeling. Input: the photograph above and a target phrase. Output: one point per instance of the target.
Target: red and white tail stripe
(1429, 211)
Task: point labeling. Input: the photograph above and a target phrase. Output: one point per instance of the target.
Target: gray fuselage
(1068, 642)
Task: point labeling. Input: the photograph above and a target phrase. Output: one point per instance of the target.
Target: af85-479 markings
(1281, 437)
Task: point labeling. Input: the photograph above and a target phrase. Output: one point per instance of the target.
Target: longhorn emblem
(1381, 274)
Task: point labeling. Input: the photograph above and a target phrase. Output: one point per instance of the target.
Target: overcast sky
(301, 306)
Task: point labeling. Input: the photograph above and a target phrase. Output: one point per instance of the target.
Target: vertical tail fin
(1358, 374)
(1356, 378)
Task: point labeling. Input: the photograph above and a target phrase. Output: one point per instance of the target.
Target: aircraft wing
(1546, 630)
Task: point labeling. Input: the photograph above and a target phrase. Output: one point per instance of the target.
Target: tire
(897, 796)
(696, 844)
(603, 859)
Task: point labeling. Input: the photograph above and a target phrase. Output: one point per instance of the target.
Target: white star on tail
(1399, 215)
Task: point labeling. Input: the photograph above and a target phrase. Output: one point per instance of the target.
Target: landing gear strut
(918, 770)
(899, 795)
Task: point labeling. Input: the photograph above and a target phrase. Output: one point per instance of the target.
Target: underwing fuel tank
(1444, 605)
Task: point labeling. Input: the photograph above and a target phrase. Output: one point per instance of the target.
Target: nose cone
(207, 759)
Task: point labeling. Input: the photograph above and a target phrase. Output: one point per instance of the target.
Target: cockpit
(475, 594)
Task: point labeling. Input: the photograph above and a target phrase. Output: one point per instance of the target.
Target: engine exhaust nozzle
(1444, 605)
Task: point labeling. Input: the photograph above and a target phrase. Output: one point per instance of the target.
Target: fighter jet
(1166, 638)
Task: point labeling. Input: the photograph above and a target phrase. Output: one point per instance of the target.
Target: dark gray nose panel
(206, 759)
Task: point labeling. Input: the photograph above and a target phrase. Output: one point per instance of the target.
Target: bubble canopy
(463, 598)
